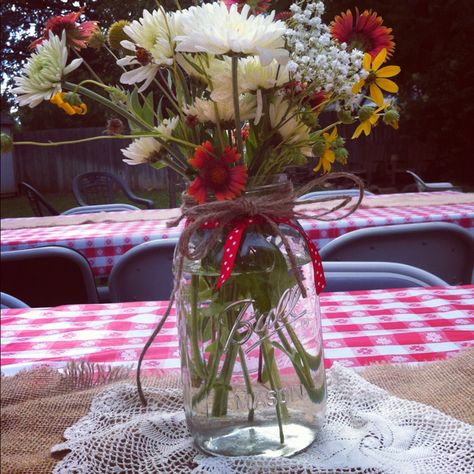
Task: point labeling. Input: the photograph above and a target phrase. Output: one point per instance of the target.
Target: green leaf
(314, 361)
(211, 347)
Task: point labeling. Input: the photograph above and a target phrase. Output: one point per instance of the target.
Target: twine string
(274, 205)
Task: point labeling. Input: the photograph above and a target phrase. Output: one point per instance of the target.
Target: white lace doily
(367, 431)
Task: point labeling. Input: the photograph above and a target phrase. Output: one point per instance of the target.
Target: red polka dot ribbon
(234, 238)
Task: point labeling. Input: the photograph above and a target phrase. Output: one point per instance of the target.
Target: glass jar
(251, 352)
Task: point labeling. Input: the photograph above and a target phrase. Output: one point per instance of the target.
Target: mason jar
(251, 351)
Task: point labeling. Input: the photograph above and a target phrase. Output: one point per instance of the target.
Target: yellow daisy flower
(367, 124)
(328, 156)
(377, 78)
(58, 99)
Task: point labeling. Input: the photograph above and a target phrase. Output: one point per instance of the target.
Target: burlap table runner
(167, 214)
(38, 405)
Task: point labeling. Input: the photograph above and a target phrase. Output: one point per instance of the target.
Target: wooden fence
(380, 156)
(51, 169)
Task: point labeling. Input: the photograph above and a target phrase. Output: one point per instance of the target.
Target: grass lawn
(19, 206)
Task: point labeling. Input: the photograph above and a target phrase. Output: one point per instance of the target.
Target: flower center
(143, 56)
(217, 175)
(360, 41)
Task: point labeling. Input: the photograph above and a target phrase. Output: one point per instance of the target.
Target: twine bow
(272, 208)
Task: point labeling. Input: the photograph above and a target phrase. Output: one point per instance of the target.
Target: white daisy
(154, 33)
(284, 119)
(215, 29)
(42, 75)
(251, 76)
(147, 149)
(205, 110)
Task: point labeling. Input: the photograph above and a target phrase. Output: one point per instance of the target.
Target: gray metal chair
(48, 276)
(39, 204)
(100, 208)
(443, 249)
(351, 276)
(10, 302)
(333, 192)
(101, 187)
(144, 273)
(440, 186)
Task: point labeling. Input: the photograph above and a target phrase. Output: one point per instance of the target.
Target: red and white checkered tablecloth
(103, 243)
(360, 328)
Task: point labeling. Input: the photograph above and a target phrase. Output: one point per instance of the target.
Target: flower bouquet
(229, 95)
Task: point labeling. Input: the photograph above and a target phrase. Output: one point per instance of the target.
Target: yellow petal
(330, 156)
(386, 85)
(356, 88)
(367, 61)
(373, 120)
(68, 108)
(379, 59)
(366, 127)
(376, 94)
(318, 166)
(83, 109)
(388, 71)
(333, 135)
(358, 131)
(56, 99)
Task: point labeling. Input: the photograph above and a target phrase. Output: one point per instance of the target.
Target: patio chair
(10, 302)
(333, 192)
(101, 187)
(445, 250)
(144, 273)
(39, 204)
(48, 276)
(352, 276)
(440, 186)
(100, 208)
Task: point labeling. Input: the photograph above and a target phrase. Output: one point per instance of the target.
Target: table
(359, 328)
(103, 243)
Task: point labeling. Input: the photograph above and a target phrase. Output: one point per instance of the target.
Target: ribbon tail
(319, 279)
(231, 249)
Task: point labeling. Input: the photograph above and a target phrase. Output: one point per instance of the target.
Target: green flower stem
(196, 353)
(109, 104)
(235, 93)
(213, 366)
(87, 66)
(248, 383)
(275, 384)
(221, 392)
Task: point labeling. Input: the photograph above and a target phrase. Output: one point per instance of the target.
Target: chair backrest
(101, 187)
(48, 276)
(332, 192)
(443, 249)
(96, 188)
(144, 273)
(100, 208)
(39, 204)
(420, 184)
(10, 302)
(351, 276)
